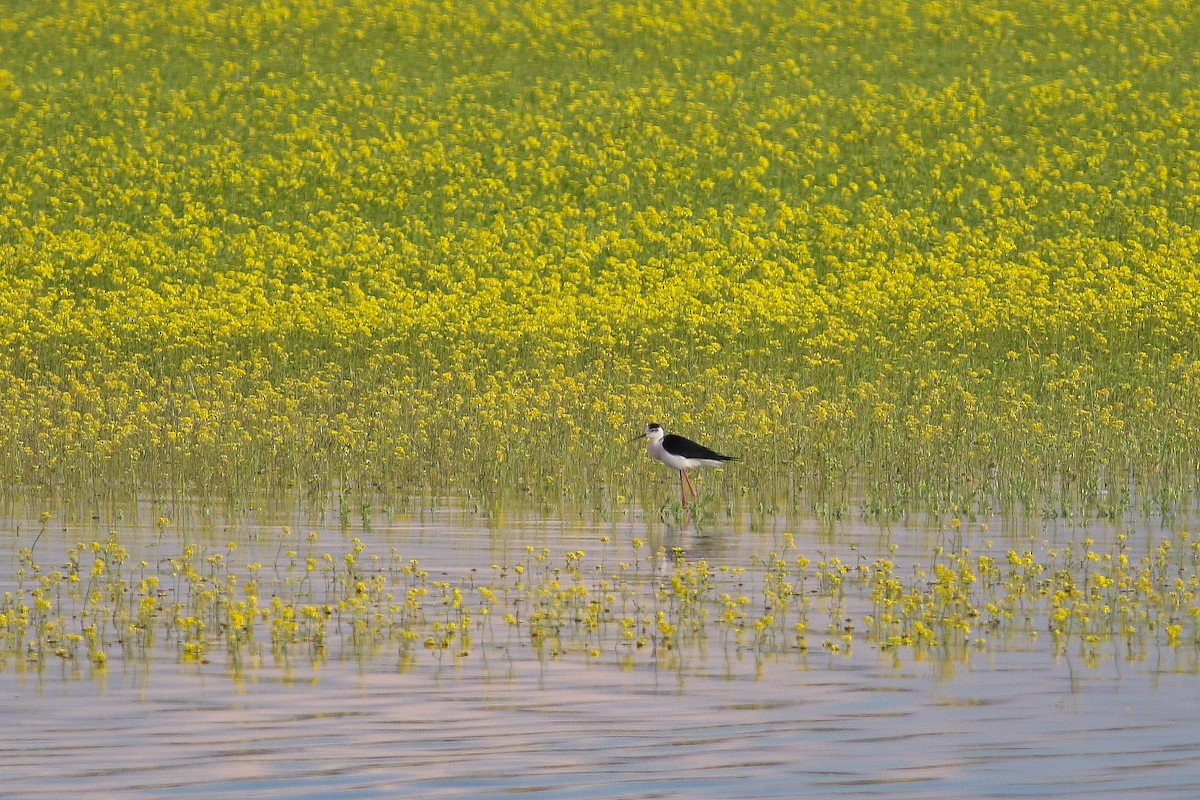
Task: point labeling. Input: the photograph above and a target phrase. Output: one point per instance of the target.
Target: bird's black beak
(639, 436)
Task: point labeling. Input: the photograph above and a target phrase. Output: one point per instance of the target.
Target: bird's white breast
(655, 449)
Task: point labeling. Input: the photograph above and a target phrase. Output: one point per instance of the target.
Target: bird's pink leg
(689, 483)
(682, 494)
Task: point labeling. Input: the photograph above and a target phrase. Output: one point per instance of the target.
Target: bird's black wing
(689, 449)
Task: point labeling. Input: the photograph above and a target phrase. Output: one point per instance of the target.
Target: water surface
(1016, 721)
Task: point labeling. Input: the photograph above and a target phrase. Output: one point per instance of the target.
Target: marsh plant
(625, 606)
(944, 252)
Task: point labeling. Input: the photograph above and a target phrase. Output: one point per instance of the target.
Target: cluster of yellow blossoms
(626, 605)
(947, 249)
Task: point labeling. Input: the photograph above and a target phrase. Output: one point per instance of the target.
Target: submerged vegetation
(943, 250)
(625, 605)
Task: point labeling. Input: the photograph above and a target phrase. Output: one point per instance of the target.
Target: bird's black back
(689, 449)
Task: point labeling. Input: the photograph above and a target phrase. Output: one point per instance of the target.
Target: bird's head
(654, 432)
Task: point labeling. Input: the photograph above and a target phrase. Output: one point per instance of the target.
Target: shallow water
(1018, 721)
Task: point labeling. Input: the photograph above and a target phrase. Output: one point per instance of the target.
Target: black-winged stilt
(679, 453)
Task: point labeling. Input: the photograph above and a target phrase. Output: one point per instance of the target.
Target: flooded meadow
(471, 654)
(928, 271)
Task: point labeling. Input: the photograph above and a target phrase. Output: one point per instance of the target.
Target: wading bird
(679, 453)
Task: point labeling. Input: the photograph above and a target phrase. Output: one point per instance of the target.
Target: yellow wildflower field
(942, 253)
